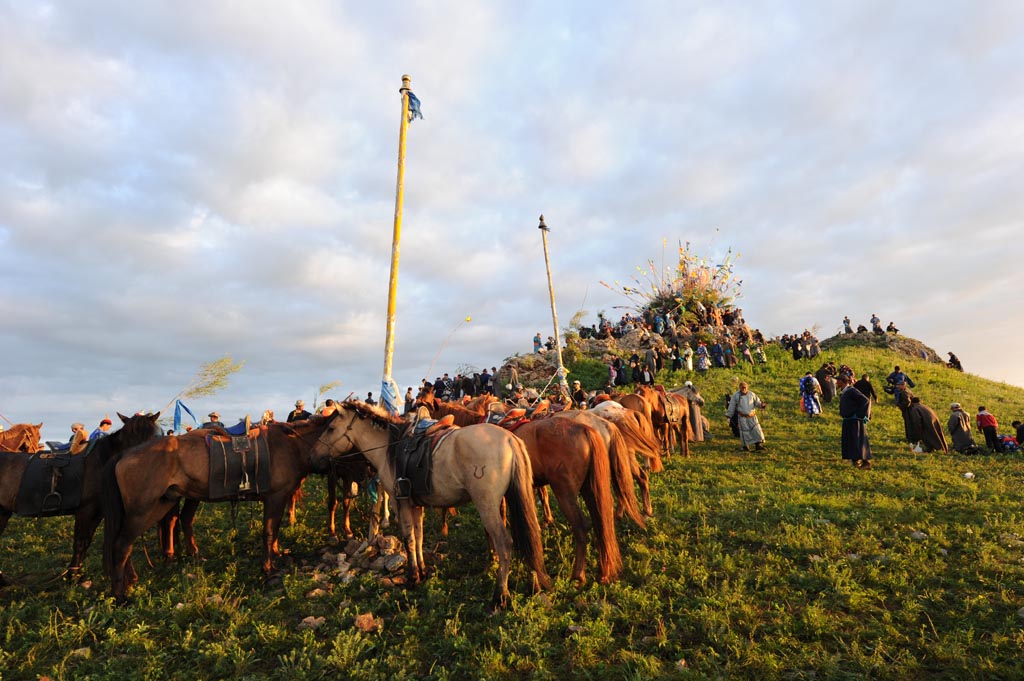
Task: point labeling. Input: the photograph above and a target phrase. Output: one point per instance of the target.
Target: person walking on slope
(987, 424)
(855, 409)
(809, 389)
(925, 423)
(744, 405)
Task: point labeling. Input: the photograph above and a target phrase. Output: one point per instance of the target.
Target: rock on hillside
(895, 342)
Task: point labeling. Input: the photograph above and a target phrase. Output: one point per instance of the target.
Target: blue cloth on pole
(178, 406)
(389, 396)
(414, 107)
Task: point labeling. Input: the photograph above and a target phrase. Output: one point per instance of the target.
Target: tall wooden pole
(562, 384)
(389, 335)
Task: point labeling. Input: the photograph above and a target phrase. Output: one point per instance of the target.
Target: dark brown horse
(135, 431)
(573, 460)
(146, 482)
(21, 437)
(677, 416)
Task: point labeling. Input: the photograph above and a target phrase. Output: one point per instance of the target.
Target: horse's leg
(542, 493)
(273, 511)
(165, 532)
(87, 519)
(490, 515)
(408, 530)
(5, 516)
(641, 478)
(417, 522)
(567, 501)
(123, 575)
(332, 503)
(187, 519)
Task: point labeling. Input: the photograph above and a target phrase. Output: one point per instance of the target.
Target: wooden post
(562, 384)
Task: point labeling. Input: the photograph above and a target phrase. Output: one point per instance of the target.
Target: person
(485, 382)
(959, 426)
(536, 343)
(369, 399)
(579, 396)
(299, 413)
(987, 424)
(876, 324)
(329, 408)
(693, 396)
(809, 389)
(846, 325)
(688, 357)
(926, 425)
(102, 430)
(892, 329)
(676, 357)
(855, 410)
(744, 405)
(899, 381)
(703, 362)
(954, 362)
(866, 388)
(1018, 428)
(79, 438)
(214, 421)
(826, 380)
(410, 401)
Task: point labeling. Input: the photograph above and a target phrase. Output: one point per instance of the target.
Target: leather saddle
(411, 453)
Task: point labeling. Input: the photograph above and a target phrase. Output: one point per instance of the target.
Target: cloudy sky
(184, 181)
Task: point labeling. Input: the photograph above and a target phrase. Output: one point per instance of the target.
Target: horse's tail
(522, 514)
(597, 493)
(641, 440)
(113, 512)
(622, 475)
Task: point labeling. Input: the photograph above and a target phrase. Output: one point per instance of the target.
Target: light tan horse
(481, 463)
(21, 437)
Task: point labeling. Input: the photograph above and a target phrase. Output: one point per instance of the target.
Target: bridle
(344, 453)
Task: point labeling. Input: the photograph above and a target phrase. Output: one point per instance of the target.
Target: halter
(332, 447)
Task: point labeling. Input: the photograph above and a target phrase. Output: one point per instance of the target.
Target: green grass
(787, 564)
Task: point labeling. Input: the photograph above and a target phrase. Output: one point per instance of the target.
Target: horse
(481, 463)
(136, 430)
(677, 416)
(147, 482)
(21, 437)
(572, 459)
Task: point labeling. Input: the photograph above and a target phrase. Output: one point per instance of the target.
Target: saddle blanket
(51, 485)
(238, 474)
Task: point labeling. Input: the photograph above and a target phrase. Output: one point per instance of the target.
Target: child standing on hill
(987, 424)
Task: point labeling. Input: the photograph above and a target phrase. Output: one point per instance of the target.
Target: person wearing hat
(102, 430)
(299, 413)
(959, 426)
(697, 420)
(579, 396)
(79, 438)
(214, 421)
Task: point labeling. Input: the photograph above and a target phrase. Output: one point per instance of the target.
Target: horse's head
(138, 428)
(426, 391)
(354, 429)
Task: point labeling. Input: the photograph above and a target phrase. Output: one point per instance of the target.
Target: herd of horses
(483, 452)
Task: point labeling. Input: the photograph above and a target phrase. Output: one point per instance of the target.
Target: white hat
(299, 403)
(688, 384)
(955, 405)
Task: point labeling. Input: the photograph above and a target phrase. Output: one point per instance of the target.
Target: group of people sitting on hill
(876, 326)
(802, 346)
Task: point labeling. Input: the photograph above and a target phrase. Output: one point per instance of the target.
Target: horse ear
(154, 417)
(40, 425)
(124, 419)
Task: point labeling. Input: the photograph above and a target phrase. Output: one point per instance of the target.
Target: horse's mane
(379, 415)
(134, 428)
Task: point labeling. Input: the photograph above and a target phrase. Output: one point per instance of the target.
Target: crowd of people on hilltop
(876, 326)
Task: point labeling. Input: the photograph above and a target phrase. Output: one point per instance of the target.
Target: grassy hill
(783, 564)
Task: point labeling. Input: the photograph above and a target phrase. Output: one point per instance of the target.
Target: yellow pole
(562, 384)
(389, 338)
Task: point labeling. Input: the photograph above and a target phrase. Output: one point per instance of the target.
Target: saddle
(239, 462)
(411, 453)
(51, 484)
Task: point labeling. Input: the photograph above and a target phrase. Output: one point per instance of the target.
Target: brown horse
(21, 437)
(146, 482)
(573, 460)
(677, 412)
(136, 430)
(483, 464)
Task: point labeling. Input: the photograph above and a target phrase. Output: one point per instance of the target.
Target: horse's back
(473, 458)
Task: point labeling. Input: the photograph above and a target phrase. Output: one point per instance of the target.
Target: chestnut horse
(21, 437)
(573, 460)
(135, 431)
(147, 482)
(483, 464)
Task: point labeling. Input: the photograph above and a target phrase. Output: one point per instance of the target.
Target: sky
(180, 181)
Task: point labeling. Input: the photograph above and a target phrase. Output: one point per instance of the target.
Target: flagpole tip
(406, 82)
(542, 225)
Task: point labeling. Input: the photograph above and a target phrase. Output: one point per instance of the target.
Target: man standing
(299, 413)
(369, 399)
(102, 430)
(809, 389)
(866, 389)
(960, 428)
(536, 343)
(579, 396)
(744, 405)
(987, 424)
(899, 382)
(876, 324)
(846, 325)
(410, 401)
(695, 400)
(855, 409)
